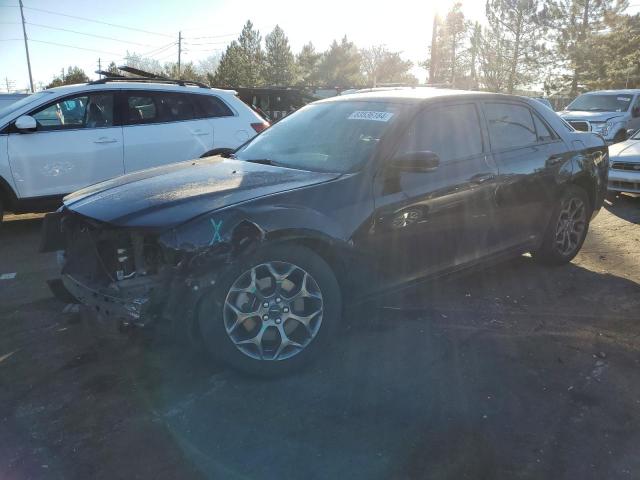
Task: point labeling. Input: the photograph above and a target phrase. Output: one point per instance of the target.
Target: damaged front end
(141, 275)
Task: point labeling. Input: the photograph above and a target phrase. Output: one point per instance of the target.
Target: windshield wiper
(264, 161)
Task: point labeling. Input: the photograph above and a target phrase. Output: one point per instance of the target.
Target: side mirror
(635, 112)
(26, 123)
(425, 161)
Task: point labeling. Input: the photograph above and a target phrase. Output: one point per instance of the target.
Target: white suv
(60, 140)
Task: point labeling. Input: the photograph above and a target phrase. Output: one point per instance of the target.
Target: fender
(590, 169)
(231, 227)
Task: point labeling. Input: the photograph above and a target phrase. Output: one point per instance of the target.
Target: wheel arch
(217, 151)
(589, 185)
(329, 249)
(8, 196)
(622, 133)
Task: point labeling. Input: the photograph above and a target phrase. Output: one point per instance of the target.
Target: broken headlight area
(132, 274)
(119, 272)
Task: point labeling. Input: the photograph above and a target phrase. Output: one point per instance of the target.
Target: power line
(159, 50)
(216, 36)
(165, 58)
(207, 43)
(88, 34)
(98, 21)
(78, 48)
(10, 39)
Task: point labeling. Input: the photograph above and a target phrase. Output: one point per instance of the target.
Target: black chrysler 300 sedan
(254, 256)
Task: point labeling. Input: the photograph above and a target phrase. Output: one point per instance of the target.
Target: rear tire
(273, 312)
(567, 228)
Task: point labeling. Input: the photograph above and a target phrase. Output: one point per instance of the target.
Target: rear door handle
(198, 133)
(105, 140)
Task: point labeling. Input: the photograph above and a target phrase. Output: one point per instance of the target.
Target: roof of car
(628, 91)
(121, 85)
(413, 94)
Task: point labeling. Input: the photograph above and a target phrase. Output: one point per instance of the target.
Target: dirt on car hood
(170, 195)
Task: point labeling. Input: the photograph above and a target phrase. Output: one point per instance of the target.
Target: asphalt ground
(517, 371)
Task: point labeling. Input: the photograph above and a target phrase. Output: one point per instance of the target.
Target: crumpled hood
(628, 151)
(590, 116)
(170, 195)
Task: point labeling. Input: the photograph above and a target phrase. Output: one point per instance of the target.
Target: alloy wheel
(273, 311)
(571, 225)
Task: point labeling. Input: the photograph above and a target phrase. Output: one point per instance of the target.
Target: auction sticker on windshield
(374, 116)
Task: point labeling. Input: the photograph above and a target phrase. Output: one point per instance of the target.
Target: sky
(207, 26)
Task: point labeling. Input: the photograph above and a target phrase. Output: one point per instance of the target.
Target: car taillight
(258, 127)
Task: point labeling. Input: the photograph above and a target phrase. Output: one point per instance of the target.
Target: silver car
(624, 170)
(614, 114)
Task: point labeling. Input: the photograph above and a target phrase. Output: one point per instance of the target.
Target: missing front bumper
(128, 307)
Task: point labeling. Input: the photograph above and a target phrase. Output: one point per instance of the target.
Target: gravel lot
(516, 371)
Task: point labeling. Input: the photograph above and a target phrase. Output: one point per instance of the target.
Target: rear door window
(175, 107)
(510, 126)
(141, 109)
(543, 133)
(209, 106)
(451, 131)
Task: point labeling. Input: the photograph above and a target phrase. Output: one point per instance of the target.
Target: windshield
(325, 137)
(14, 107)
(601, 103)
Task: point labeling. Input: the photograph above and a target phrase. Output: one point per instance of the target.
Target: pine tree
(340, 65)
(307, 65)
(575, 25)
(279, 62)
(242, 63)
(446, 59)
(74, 75)
(252, 56)
(521, 25)
(229, 74)
(614, 61)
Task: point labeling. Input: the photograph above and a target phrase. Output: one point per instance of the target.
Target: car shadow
(426, 384)
(625, 206)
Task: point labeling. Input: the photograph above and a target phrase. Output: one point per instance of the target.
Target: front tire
(567, 228)
(273, 312)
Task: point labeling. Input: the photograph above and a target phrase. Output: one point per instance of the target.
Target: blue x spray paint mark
(216, 231)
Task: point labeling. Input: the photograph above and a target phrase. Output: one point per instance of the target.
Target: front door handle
(199, 133)
(555, 159)
(483, 177)
(105, 140)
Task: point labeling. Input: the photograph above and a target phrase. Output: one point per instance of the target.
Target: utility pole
(26, 45)
(9, 84)
(179, 50)
(99, 68)
(434, 54)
